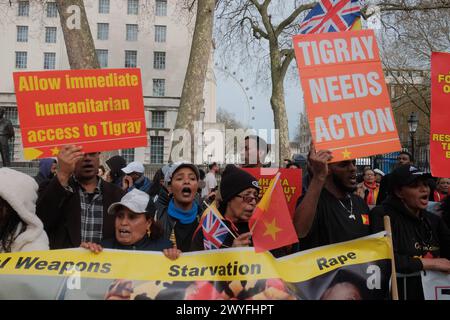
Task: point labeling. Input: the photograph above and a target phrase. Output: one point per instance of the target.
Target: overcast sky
(232, 97)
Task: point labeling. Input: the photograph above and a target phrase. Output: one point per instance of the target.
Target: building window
(50, 34)
(159, 87)
(161, 8)
(133, 7)
(52, 10)
(49, 60)
(102, 56)
(132, 32)
(11, 114)
(102, 31)
(103, 6)
(128, 155)
(158, 119)
(156, 149)
(24, 9)
(130, 59)
(160, 33)
(22, 33)
(159, 60)
(21, 59)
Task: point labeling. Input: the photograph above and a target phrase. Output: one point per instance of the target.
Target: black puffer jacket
(425, 236)
(183, 232)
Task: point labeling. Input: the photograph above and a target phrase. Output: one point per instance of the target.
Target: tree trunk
(191, 103)
(277, 101)
(78, 38)
(79, 43)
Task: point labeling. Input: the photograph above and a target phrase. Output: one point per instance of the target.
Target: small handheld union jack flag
(331, 16)
(214, 231)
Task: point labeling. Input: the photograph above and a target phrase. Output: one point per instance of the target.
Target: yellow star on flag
(272, 229)
(55, 151)
(346, 154)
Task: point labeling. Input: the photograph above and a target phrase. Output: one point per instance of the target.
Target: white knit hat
(20, 191)
(381, 173)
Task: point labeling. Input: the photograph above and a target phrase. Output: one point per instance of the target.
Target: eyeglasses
(249, 198)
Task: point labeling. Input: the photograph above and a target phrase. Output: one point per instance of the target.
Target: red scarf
(439, 196)
(373, 193)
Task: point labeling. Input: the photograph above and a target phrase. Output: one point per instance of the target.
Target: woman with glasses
(239, 194)
(20, 228)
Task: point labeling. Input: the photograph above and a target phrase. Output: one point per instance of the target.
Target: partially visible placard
(98, 109)
(440, 115)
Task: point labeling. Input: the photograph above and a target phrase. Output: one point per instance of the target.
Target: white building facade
(153, 35)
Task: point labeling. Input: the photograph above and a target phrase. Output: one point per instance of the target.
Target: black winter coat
(425, 236)
(60, 212)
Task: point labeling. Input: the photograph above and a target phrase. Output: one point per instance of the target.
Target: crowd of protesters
(74, 201)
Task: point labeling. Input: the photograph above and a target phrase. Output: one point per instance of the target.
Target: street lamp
(412, 127)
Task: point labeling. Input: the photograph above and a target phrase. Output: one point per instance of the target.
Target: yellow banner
(223, 265)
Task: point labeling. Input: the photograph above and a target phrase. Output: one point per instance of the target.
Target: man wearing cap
(135, 178)
(73, 205)
(329, 212)
(179, 218)
(421, 239)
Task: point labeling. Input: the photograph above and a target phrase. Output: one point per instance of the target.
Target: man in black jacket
(73, 205)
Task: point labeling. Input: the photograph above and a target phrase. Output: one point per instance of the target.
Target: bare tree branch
(292, 17)
(257, 31)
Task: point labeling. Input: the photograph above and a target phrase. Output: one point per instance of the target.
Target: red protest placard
(345, 94)
(440, 115)
(98, 109)
(290, 179)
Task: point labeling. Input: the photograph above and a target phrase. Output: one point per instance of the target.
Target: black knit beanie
(234, 181)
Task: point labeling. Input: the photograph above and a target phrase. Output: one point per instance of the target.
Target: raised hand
(318, 162)
(68, 157)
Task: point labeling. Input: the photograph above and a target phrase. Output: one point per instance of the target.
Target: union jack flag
(331, 16)
(214, 231)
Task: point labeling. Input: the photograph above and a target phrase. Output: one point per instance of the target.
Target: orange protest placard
(440, 115)
(97, 109)
(290, 179)
(345, 94)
